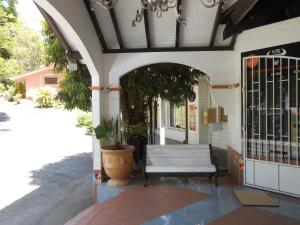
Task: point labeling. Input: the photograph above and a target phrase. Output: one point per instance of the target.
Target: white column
(162, 122)
(96, 114)
(203, 103)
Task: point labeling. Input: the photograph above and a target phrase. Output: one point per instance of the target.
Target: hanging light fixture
(212, 3)
(106, 4)
(158, 7)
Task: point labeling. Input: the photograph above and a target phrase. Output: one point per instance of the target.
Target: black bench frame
(213, 159)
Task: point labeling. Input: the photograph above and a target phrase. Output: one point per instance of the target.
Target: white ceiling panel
(200, 21)
(162, 30)
(219, 38)
(107, 27)
(133, 37)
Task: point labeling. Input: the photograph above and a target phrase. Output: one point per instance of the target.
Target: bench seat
(181, 169)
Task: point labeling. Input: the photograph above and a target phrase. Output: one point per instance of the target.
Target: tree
(54, 52)
(73, 88)
(7, 20)
(171, 82)
(26, 51)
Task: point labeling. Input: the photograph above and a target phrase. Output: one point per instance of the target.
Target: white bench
(170, 160)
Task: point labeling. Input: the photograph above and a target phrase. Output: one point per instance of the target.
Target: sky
(30, 14)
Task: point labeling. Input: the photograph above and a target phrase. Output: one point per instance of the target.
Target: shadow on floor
(4, 117)
(65, 189)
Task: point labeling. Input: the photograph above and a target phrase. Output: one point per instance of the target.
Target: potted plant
(117, 159)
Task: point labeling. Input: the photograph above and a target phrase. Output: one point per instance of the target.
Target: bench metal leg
(145, 179)
(210, 176)
(216, 179)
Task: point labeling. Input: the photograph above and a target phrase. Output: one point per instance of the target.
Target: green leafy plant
(139, 129)
(74, 92)
(85, 120)
(17, 98)
(107, 131)
(2, 88)
(9, 94)
(44, 99)
(20, 89)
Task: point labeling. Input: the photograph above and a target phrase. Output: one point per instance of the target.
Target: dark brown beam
(233, 40)
(177, 26)
(181, 49)
(216, 25)
(58, 34)
(75, 55)
(54, 28)
(116, 26)
(146, 21)
(95, 23)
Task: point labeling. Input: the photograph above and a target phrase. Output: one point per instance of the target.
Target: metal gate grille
(271, 108)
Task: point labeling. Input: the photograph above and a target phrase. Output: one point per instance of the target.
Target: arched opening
(169, 100)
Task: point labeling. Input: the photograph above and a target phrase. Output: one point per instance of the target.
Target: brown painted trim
(100, 88)
(96, 88)
(169, 49)
(225, 86)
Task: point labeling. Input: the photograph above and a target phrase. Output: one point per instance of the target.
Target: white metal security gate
(271, 123)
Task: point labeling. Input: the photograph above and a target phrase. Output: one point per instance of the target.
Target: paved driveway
(45, 166)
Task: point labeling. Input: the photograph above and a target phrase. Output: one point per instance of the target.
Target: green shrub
(58, 104)
(2, 88)
(44, 99)
(17, 98)
(20, 89)
(85, 120)
(9, 94)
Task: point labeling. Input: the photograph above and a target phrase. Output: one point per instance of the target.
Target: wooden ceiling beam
(169, 49)
(147, 29)
(233, 40)
(95, 23)
(58, 34)
(216, 25)
(54, 28)
(177, 26)
(116, 27)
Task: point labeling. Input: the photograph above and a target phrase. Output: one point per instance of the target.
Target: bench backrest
(178, 155)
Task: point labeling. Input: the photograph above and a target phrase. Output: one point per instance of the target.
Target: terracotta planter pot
(118, 164)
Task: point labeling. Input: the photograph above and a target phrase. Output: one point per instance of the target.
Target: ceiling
(203, 30)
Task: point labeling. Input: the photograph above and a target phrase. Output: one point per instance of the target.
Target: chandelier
(158, 7)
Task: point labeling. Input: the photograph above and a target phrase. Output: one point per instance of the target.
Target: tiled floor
(219, 201)
(182, 201)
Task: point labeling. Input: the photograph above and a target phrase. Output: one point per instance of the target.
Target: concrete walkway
(45, 166)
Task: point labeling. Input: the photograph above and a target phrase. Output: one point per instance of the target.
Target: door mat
(255, 198)
(254, 216)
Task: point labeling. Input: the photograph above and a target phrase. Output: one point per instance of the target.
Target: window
(50, 80)
(177, 116)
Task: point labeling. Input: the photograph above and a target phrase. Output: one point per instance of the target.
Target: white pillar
(162, 123)
(96, 114)
(203, 103)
